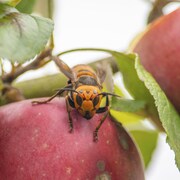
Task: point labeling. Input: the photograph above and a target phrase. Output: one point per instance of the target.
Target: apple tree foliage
(23, 36)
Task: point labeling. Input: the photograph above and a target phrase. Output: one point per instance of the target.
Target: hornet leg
(68, 107)
(48, 100)
(101, 110)
(58, 93)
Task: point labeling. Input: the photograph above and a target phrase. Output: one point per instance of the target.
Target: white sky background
(110, 24)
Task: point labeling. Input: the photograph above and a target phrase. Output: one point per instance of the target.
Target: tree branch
(157, 9)
(38, 62)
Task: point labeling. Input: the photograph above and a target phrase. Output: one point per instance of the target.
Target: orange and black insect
(84, 92)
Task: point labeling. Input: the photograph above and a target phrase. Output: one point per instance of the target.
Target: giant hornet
(84, 92)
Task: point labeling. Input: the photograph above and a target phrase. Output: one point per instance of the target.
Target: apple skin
(159, 51)
(35, 144)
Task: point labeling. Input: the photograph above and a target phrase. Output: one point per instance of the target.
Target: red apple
(35, 144)
(159, 50)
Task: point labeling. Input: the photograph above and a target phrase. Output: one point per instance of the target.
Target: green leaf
(146, 141)
(5, 10)
(133, 84)
(109, 83)
(126, 118)
(126, 111)
(168, 115)
(127, 105)
(1, 84)
(22, 36)
(10, 2)
(118, 91)
(26, 6)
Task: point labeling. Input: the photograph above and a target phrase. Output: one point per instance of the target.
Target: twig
(50, 15)
(8, 78)
(157, 9)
